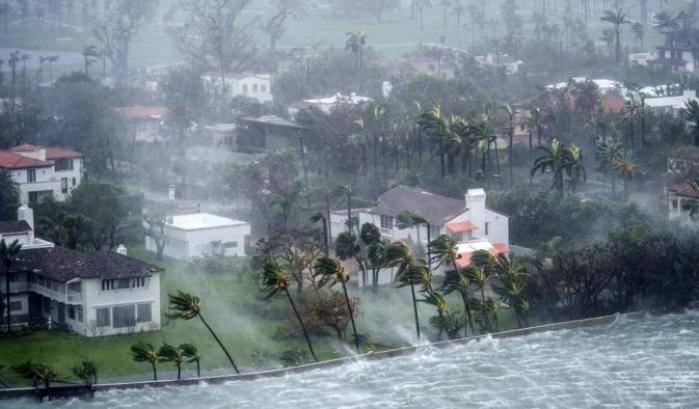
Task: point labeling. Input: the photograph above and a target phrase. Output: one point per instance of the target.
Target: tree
(510, 133)
(575, 167)
(332, 272)
(155, 229)
(320, 216)
(89, 53)
(187, 307)
(274, 281)
(277, 23)
(9, 196)
(479, 276)
(7, 256)
(444, 250)
(192, 353)
(409, 271)
(86, 372)
(626, 167)
(691, 114)
(176, 355)
(142, 352)
(114, 24)
(437, 300)
(554, 158)
(618, 20)
(511, 286)
(37, 373)
(345, 190)
(371, 238)
(356, 41)
(348, 246)
(639, 31)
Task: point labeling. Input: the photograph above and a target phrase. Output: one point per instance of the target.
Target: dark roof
(62, 264)
(685, 190)
(19, 226)
(437, 209)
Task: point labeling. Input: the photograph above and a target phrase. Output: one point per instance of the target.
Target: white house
(498, 60)
(256, 86)
(194, 235)
(101, 293)
(328, 104)
(672, 104)
(468, 221)
(43, 172)
(683, 201)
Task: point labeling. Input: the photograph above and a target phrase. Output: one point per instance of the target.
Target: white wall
(187, 244)
(48, 179)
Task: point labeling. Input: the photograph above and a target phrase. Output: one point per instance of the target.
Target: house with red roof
(143, 123)
(43, 172)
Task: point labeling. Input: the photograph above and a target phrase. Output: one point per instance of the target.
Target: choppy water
(649, 363)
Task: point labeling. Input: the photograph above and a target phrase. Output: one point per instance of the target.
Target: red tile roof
(60, 153)
(499, 248)
(460, 226)
(26, 147)
(141, 112)
(463, 260)
(11, 160)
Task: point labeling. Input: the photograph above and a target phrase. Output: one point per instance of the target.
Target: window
(33, 197)
(107, 285)
(138, 282)
(31, 175)
(71, 312)
(124, 316)
(674, 204)
(245, 89)
(64, 164)
(230, 245)
(386, 222)
(123, 283)
(79, 310)
(15, 305)
(144, 313)
(487, 228)
(254, 88)
(75, 182)
(64, 185)
(263, 88)
(103, 317)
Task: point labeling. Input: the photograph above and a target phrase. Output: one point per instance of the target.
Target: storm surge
(647, 363)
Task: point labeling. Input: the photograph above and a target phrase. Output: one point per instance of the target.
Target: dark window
(123, 283)
(263, 88)
(386, 222)
(124, 316)
(64, 185)
(107, 285)
(31, 175)
(71, 312)
(79, 310)
(33, 197)
(144, 313)
(15, 305)
(103, 317)
(75, 182)
(64, 164)
(487, 225)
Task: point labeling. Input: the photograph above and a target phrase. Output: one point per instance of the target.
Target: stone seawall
(67, 391)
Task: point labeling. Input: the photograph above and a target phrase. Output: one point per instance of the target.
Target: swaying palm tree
(618, 20)
(608, 151)
(626, 168)
(356, 41)
(320, 216)
(86, 372)
(7, 255)
(332, 272)
(142, 352)
(407, 220)
(345, 190)
(575, 167)
(176, 355)
(274, 280)
(511, 134)
(187, 307)
(371, 237)
(479, 277)
(410, 271)
(192, 354)
(691, 114)
(511, 275)
(553, 158)
(37, 373)
(436, 300)
(348, 246)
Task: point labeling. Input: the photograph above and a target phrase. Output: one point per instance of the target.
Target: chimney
(475, 203)
(26, 213)
(121, 249)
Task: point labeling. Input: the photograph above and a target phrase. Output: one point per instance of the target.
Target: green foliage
(9, 196)
(86, 372)
(293, 357)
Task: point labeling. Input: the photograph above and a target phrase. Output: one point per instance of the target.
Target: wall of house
(47, 179)
(187, 244)
(94, 297)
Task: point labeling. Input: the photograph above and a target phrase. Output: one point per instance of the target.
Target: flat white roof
(677, 102)
(203, 221)
(473, 246)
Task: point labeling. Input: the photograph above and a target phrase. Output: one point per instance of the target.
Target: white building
(101, 293)
(468, 221)
(671, 104)
(328, 104)
(195, 235)
(256, 86)
(498, 60)
(43, 172)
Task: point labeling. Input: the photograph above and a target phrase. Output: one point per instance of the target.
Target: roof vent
(121, 249)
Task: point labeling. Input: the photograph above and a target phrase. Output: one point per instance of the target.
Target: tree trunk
(155, 371)
(198, 369)
(220, 344)
(417, 321)
(512, 178)
(351, 313)
(179, 371)
(303, 327)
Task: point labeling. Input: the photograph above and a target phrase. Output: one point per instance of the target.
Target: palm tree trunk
(351, 313)
(429, 239)
(417, 321)
(155, 371)
(512, 131)
(349, 213)
(486, 324)
(220, 344)
(198, 369)
(179, 371)
(303, 327)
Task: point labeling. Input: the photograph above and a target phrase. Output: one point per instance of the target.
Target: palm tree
(356, 41)
(479, 277)
(608, 150)
(348, 246)
(407, 220)
(37, 373)
(345, 190)
(371, 237)
(436, 300)
(86, 372)
(510, 133)
(187, 307)
(274, 280)
(513, 294)
(639, 31)
(575, 167)
(618, 20)
(192, 354)
(332, 273)
(511, 275)
(176, 355)
(410, 271)
(320, 216)
(553, 158)
(142, 352)
(7, 255)
(89, 52)
(485, 135)
(627, 168)
(691, 114)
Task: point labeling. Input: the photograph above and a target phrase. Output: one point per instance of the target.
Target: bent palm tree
(627, 168)
(7, 255)
(553, 158)
(176, 355)
(332, 272)
(192, 354)
(86, 372)
(436, 300)
(479, 277)
(326, 241)
(274, 280)
(187, 307)
(348, 246)
(142, 352)
(575, 167)
(617, 19)
(37, 373)
(408, 220)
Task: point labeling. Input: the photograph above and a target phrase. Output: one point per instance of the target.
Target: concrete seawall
(75, 390)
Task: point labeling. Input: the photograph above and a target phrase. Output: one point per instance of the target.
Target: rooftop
(437, 209)
(677, 102)
(19, 226)
(270, 120)
(51, 152)
(12, 160)
(199, 221)
(141, 112)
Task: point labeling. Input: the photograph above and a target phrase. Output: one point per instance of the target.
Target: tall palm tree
(86, 372)
(479, 276)
(371, 237)
(348, 246)
(356, 41)
(445, 251)
(409, 271)
(485, 135)
(192, 354)
(176, 355)
(553, 158)
(691, 114)
(639, 31)
(187, 307)
(618, 19)
(608, 150)
(345, 190)
(7, 256)
(142, 352)
(436, 299)
(511, 134)
(408, 220)
(274, 280)
(320, 216)
(332, 273)
(626, 167)
(575, 168)
(37, 373)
